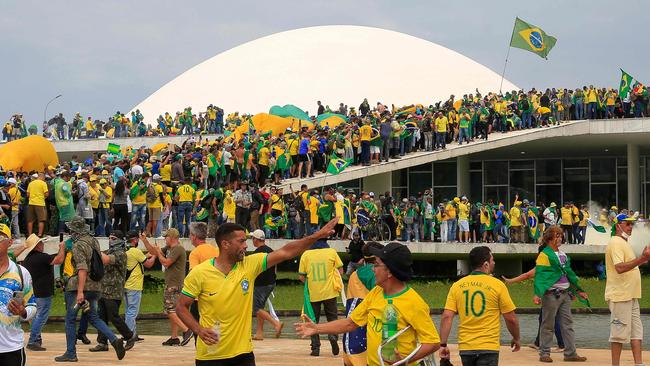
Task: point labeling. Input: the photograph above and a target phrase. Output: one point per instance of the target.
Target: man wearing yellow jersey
(321, 268)
(138, 195)
(463, 220)
(224, 289)
(37, 192)
(136, 262)
(440, 129)
(392, 269)
(452, 219)
(263, 164)
(185, 199)
(517, 230)
(15, 196)
(365, 133)
(479, 300)
(566, 222)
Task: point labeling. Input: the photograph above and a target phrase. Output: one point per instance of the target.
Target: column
(633, 178)
(379, 183)
(462, 176)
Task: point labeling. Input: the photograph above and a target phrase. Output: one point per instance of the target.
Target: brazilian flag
(626, 84)
(533, 224)
(337, 165)
(531, 38)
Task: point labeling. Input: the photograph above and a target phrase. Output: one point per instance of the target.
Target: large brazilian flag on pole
(531, 38)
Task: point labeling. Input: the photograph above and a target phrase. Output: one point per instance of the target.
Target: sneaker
(66, 358)
(83, 338)
(545, 358)
(335, 347)
(187, 336)
(172, 342)
(118, 345)
(100, 347)
(315, 353)
(139, 339)
(129, 343)
(35, 347)
(575, 358)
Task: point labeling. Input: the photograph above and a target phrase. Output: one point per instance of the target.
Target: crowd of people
(151, 193)
(213, 301)
(473, 116)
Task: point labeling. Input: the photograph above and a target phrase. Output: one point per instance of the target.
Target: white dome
(332, 64)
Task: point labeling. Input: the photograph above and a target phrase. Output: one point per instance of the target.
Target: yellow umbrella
(32, 153)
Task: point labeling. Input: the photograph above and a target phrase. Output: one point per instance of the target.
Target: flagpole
(507, 55)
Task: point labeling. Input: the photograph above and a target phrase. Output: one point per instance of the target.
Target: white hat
(258, 234)
(371, 194)
(156, 177)
(35, 175)
(11, 181)
(30, 244)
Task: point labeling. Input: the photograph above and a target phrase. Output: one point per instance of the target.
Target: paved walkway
(270, 352)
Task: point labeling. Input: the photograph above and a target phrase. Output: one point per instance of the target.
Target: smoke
(599, 217)
(640, 236)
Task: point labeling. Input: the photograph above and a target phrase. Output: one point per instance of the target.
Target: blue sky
(110, 55)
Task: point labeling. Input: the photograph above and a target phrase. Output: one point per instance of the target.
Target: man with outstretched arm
(223, 287)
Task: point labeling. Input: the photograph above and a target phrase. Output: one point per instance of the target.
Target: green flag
(626, 84)
(599, 228)
(531, 38)
(337, 165)
(113, 149)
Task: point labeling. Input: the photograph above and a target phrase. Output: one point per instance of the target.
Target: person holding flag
(533, 222)
(556, 285)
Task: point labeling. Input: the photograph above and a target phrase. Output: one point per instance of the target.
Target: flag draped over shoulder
(548, 270)
(337, 165)
(626, 84)
(212, 165)
(531, 38)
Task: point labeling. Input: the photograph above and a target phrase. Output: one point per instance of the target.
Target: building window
(476, 186)
(443, 193)
(548, 171)
(603, 194)
(576, 185)
(496, 172)
(522, 182)
(444, 174)
(603, 170)
(498, 194)
(547, 193)
(419, 182)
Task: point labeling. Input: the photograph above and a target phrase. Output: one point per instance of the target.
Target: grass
(288, 294)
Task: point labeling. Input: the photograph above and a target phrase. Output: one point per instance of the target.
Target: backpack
(96, 271)
(151, 194)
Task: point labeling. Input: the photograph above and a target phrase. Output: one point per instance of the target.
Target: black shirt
(38, 265)
(267, 277)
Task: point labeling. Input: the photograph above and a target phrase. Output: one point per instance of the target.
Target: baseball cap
(117, 234)
(156, 177)
(11, 181)
(258, 234)
(5, 230)
(171, 233)
(623, 217)
(397, 258)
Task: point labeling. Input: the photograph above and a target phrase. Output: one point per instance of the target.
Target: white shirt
(11, 333)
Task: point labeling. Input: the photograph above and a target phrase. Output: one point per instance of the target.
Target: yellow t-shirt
(277, 203)
(37, 189)
(15, 195)
(185, 193)
(515, 216)
(94, 196)
(365, 132)
(166, 173)
(109, 197)
(293, 146)
(441, 124)
(585, 216)
(263, 156)
(621, 286)
(202, 253)
(226, 300)
(463, 211)
(451, 211)
(89, 125)
(135, 281)
(566, 215)
(412, 311)
(320, 267)
(159, 190)
(479, 325)
(141, 198)
(229, 205)
(313, 210)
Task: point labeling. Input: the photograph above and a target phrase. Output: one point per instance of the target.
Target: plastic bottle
(212, 349)
(388, 329)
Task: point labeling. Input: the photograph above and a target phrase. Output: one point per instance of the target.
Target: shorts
(374, 149)
(625, 321)
(154, 213)
(260, 295)
(463, 225)
(170, 297)
(36, 213)
(303, 157)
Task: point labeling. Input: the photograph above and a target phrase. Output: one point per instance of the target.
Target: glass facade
(602, 180)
